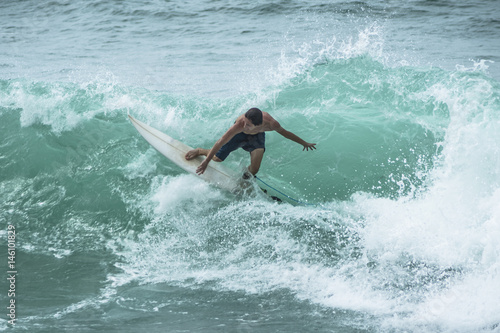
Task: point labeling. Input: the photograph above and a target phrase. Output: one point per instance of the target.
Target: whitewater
(401, 229)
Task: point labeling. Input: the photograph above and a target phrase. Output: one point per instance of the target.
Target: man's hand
(308, 146)
(290, 136)
(202, 167)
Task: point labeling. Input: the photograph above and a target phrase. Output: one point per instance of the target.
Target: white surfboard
(174, 150)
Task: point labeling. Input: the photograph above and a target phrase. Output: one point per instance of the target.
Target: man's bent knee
(253, 169)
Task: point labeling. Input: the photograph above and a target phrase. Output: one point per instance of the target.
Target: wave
(406, 177)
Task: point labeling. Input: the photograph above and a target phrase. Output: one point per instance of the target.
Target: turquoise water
(403, 101)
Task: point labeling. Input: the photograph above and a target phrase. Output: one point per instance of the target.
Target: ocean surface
(402, 229)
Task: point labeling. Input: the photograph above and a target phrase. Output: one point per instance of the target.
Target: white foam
(185, 189)
(455, 223)
(463, 307)
(53, 104)
(264, 257)
(143, 165)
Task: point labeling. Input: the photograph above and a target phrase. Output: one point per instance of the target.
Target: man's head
(255, 116)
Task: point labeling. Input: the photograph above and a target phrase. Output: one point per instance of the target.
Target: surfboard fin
(271, 196)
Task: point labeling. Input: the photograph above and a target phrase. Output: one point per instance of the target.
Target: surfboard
(216, 173)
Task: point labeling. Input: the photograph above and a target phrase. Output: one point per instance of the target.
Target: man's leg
(255, 159)
(200, 151)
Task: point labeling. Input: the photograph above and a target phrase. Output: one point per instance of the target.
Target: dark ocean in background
(402, 99)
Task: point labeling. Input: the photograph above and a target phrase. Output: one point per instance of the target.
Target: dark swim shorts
(249, 142)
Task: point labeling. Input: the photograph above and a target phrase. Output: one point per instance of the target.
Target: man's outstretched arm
(235, 129)
(289, 135)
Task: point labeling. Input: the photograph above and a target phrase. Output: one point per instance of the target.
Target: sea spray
(404, 179)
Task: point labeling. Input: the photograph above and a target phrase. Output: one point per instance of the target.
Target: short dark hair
(255, 116)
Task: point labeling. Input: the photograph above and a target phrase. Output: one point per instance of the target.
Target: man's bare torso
(268, 124)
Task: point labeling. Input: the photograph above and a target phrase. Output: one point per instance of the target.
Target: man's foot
(192, 154)
(247, 175)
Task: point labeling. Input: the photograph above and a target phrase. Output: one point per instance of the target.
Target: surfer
(247, 132)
